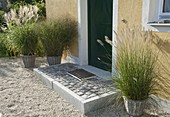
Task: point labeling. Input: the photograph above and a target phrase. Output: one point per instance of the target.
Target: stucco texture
(60, 8)
(130, 14)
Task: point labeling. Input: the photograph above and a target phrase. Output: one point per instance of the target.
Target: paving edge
(85, 106)
(45, 78)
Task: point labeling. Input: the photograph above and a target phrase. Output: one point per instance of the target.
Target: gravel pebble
(22, 94)
(0, 114)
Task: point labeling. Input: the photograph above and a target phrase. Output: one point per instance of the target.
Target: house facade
(97, 18)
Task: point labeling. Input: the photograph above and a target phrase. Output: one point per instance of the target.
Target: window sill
(159, 24)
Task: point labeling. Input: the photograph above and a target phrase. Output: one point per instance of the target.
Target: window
(156, 15)
(164, 10)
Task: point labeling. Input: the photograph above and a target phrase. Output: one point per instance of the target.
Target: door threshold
(98, 72)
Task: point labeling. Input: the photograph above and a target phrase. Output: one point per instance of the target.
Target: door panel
(100, 25)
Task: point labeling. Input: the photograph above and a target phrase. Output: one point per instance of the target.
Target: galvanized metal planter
(53, 60)
(134, 108)
(29, 61)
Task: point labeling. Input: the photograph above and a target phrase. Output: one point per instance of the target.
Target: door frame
(83, 31)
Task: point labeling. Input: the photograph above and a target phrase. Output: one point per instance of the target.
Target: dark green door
(99, 25)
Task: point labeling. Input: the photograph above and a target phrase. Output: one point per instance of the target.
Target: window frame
(161, 13)
(150, 17)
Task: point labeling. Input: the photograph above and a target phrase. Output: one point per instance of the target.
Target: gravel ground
(24, 95)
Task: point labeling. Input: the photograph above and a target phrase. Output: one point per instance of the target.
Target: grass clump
(56, 35)
(136, 73)
(24, 39)
(136, 65)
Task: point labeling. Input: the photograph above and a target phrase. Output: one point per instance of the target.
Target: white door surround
(83, 30)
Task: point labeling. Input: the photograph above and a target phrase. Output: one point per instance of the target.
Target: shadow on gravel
(5, 69)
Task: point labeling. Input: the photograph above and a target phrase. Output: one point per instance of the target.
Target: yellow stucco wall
(58, 8)
(131, 11)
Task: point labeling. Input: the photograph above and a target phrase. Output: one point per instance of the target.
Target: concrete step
(86, 96)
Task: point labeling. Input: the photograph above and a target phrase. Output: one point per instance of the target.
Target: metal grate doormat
(81, 74)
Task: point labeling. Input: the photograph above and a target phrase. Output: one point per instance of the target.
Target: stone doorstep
(84, 105)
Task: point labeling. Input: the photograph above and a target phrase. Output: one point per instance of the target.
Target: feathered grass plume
(25, 14)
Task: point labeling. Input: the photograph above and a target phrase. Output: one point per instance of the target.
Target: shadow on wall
(166, 47)
(163, 45)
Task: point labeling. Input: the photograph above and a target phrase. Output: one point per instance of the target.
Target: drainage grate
(81, 74)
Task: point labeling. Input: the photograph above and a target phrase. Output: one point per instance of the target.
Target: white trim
(83, 31)
(159, 24)
(114, 30)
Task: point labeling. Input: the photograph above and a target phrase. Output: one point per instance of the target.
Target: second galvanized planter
(53, 60)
